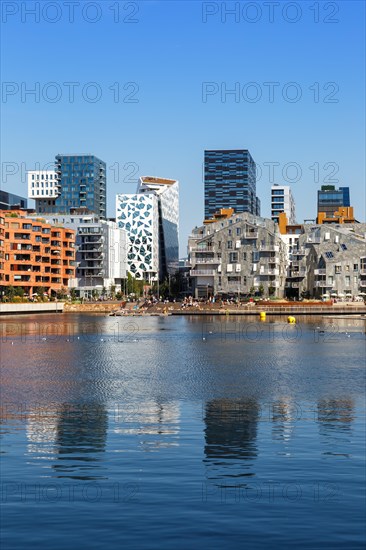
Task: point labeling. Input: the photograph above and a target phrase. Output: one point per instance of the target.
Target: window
(233, 257)
(229, 231)
(329, 255)
(343, 247)
(244, 256)
(238, 230)
(338, 269)
(330, 280)
(348, 281)
(346, 267)
(355, 267)
(230, 245)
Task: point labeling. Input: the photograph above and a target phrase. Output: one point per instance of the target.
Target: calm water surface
(169, 432)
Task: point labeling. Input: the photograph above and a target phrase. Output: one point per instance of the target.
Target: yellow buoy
(262, 315)
(291, 320)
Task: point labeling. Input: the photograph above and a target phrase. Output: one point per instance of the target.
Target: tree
(112, 291)
(261, 290)
(271, 290)
(10, 292)
(62, 293)
(73, 294)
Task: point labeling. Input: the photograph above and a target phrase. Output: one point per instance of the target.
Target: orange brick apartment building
(34, 254)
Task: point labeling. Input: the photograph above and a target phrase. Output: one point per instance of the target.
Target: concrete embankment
(23, 309)
(108, 308)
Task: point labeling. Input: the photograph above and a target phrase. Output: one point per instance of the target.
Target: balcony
(251, 235)
(320, 272)
(323, 284)
(198, 261)
(269, 248)
(363, 270)
(267, 272)
(313, 240)
(202, 272)
(297, 274)
(204, 250)
(362, 283)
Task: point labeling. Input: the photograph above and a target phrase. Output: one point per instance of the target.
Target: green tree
(10, 292)
(73, 294)
(62, 293)
(112, 291)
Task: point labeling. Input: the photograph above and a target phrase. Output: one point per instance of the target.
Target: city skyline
(151, 118)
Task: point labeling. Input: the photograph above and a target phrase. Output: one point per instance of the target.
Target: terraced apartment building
(34, 254)
(328, 261)
(237, 256)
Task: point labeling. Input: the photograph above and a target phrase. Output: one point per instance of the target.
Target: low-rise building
(9, 201)
(325, 260)
(35, 254)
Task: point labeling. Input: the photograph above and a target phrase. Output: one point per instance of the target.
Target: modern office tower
(100, 251)
(151, 218)
(8, 201)
(282, 200)
(230, 182)
(80, 183)
(35, 255)
(331, 199)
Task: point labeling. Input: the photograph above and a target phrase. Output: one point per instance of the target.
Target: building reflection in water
(71, 436)
(335, 420)
(284, 414)
(230, 438)
(155, 423)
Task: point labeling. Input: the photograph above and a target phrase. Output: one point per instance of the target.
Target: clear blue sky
(170, 50)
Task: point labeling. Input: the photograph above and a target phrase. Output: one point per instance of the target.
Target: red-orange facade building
(34, 254)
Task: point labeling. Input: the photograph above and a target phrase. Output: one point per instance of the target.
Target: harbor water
(182, 432)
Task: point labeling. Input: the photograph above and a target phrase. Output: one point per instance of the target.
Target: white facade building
(101, 246)
(43, 185)
(151, 218)
(282, 200)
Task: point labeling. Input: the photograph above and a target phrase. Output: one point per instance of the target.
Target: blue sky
(161, 54)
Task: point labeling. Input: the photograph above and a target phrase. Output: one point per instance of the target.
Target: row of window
(44, 176)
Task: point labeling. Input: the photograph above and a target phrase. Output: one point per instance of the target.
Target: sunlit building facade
(151, 220)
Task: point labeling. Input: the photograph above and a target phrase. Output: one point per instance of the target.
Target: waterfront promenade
(248, 309)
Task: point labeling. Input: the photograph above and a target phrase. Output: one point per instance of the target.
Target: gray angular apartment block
(329, 260)
(237, 256)
(244, 254)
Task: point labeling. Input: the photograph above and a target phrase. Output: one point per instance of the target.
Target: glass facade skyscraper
(330, 199)
(80, 183)
(230, 182)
